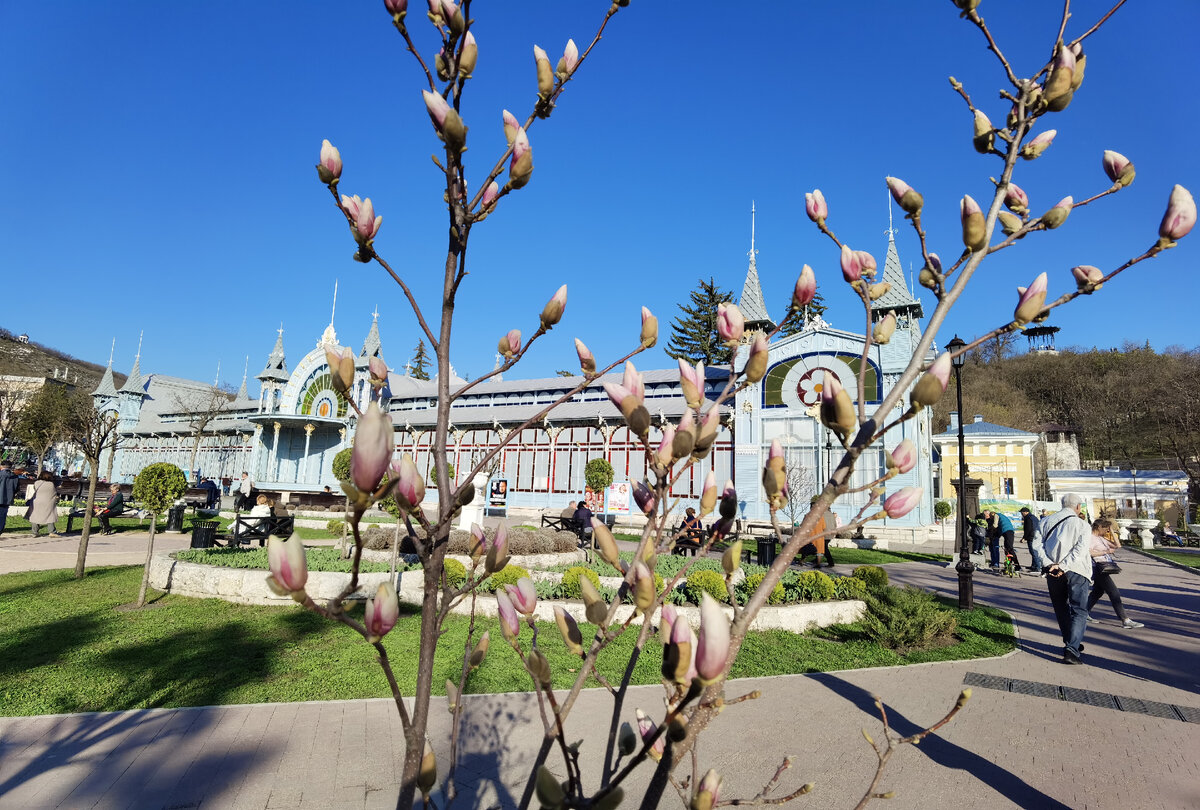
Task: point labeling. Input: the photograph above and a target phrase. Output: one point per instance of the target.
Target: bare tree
(10, 408)
(92, 432)
(42, 423)
(202, 408)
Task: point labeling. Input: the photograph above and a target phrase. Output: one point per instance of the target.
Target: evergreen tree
(694, 333)
(815, 307)
(418, 367)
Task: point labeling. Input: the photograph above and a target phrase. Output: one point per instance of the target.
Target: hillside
(35, 359)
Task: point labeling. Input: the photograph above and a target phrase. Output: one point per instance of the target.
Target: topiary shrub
(341, 464)
(942, 510)
(816, 586)
(750, 584)
(570, 588)
(874, 576)
(850, 588)
(335, 526)
(158, 486)
(907, 619)
(377, 538)
(710, 582)
(598, 475)
(508, 575)
(456, 572)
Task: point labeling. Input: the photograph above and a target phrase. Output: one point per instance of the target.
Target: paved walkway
(1006, 749)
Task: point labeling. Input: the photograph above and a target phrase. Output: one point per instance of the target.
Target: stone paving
(1004, 750)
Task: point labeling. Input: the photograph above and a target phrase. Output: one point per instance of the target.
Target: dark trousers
(3, 517)
(810, 550)
(103, 516)
(1069, 596)
(1008, 547)
(1103, 584)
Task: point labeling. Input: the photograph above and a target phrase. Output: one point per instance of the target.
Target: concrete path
(1006, 749)
(24, 552)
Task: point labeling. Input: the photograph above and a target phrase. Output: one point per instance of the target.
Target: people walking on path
(1032, 527)
(1069, 578)
(9, 483)
(1001, 529)
(43, 511)
(1103, 544)
(819, 544)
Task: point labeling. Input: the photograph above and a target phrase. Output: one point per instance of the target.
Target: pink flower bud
(708, 495)
(288, 565)
(644, 497)
(1015, 199)
(974, 225)
(510, 623)
(713, 645)
(1087, 277)
(1034, 148)
(649, 334)
(646, 728)
(632, 380)
(489, 195)
(984, 134)
(545, 76)
(570, 58)
(477, 545)
(756, 362)
(619, 395)
(666, 621)
(806, 288)
(329, 168)
(469, 56)
(521, 166)
(851, 265)
(1177, 222)
(396, 7)
(883, 331)
(904, 456)
(587, 363)
(1058, 83)
(569, 629)
(776, 451)
(664, 453)
(378, 371)
(730, 323)
(729, 501)
(932, 384)
(837, 409)
(437, 108)
(410, 486)
(497, 553)
(867, 262)
(643, 587)
(351, 204)
(903, 502)
(510, 344)
(366, 224)
(523, 595)
(1031, 300)
(1118, 168)
(553, 311)
(374, 444)
(708, 793)
(382, 612)
(1058, 214)
(511, 125)
(815, 206)
(691, 382)
(904, 195)
(341, 367)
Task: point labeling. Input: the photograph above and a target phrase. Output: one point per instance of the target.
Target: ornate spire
(329, 336)
(276, 368)
(135, 384)
(242, 392)
(371, 346)
(898, 298)
(753, 308)
(107, 387)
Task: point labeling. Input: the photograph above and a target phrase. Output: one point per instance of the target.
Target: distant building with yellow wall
(1002, 457)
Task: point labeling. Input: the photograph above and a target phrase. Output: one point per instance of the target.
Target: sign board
(618, 498)
(594, 501)
(498, 493)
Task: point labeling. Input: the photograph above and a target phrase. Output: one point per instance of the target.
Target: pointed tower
(133, 392)
(106, 391)
(899, 299)
(242, 392)
(371, 346)
(329, 336)
(273, 378)
(753, 308)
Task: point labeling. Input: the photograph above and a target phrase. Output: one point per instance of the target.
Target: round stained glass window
(321, 400)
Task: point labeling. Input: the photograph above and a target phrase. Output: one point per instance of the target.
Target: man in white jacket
(1069, 579)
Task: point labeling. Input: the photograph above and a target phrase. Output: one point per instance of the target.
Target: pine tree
(694, 333)
(418, 367)
(816, 307)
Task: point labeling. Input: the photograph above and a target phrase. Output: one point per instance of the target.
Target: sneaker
(1093, 621)
(1071, 659)
(1130, 624)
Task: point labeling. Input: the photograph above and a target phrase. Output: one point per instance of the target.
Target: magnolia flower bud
(595, 610)
(497, 553)
(569, 629)
(932, 384)
(1080, 64)
(545, 76)
(453, 17)
(904, 457)
(730, 323)
(647, 727)
(685, 436)
(904, 195)
(706, 434)
(1009, 223)
(378, 371)
(884, 329)
(974, 225)
(677, 652)
(815, 206)
(288, 566)
(643, 587)
(1033, 149)
(756, 363)
(477, 542)
(1118, 167)
(877, 291)
(480, 650)
(731, 560)
(520, 168)
(1087, 277)
(708, 494)
(649, 334)
(469, 55)
(523, 595)
(549, 792)
(903, 502)
(510, 623)
(587, 362)
(691, 382)
(511, 125)
(664, 455)
(489, 195)
(397, 8)
(644, 497)
(570, 58)
(366, 224)
(806, 288)
(427, 774)
(631, 378)
(1058, 214)
(410, 487)
(708, 792)
(382, 611)
(851, 265)
(510, 344)
(437, 108)
(1015, 199)
(729, 501)
(553, 311)
(713, 644)
(837, 410)
(867, 262)
(631, 407)
(1179, 218)
(374, 444)
(329, 168)
(1061, 75)
(341, 367)
(1031, 301)
(985, 133)
(606, 544)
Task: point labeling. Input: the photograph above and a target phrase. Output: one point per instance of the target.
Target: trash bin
(766, 550)
(175, 518)
(204, 533)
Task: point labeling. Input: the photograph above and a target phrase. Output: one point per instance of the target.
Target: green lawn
(841, 556)
(67, 647)
(1190, 559)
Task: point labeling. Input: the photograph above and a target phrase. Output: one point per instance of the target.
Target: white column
(303, 476)
(273, 459)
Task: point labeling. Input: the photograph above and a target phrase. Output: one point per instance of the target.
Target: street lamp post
(965, 568)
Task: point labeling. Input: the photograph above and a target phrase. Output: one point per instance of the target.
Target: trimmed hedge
(508, 575)
(874, 576)
(705, 581)
(570, 587)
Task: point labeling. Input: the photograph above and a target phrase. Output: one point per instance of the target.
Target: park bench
(244, 529)
(563, 524)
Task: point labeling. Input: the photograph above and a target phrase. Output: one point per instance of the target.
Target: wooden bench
(244, 529)
(563, 524)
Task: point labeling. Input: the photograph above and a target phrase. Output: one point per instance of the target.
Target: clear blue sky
(159, 168)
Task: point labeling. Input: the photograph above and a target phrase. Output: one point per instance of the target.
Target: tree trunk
(112, 454)
(395, 548)
(141, 601)
(81, 556)
(195, 451)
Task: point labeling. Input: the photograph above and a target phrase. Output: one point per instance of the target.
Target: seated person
(691, 530)
(260, 510)
(819, 544)
(213, 494)
(114, 506)
(1169, 536)
(583, 517)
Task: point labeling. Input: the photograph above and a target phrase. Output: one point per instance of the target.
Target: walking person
(245, 486)
(1033, 536)
(1069, 577)
(9, 483)
(43, 509)
(820, 543)
(1103, 544)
